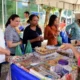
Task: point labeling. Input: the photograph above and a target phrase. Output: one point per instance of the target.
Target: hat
(77, 16)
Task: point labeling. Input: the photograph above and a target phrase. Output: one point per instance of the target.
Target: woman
(33, 32)
(11, 36)
(51, 30)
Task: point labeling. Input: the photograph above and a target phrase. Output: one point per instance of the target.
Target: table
(31, 61)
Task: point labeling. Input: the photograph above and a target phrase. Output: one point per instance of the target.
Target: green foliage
(10, 9)
(48, 8)
(31, 7)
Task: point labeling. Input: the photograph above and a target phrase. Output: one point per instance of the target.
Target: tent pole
(66, 15)
(3, 14)
(16, 7)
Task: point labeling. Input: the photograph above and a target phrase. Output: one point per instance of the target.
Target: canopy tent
(63, 4)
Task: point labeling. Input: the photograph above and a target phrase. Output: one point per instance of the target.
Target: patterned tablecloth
(32, 59)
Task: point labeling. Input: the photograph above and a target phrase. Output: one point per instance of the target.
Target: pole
(5, 10)
(3, 13)
(16, 7)
(66, 17)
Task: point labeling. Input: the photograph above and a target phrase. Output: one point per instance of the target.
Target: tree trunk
(60, 10)
(47, 18)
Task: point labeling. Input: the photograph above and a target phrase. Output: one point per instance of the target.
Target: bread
(62, 46)
(44, 50)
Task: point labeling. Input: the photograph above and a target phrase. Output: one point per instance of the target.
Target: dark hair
(13, 16)
(51, 20)
(27, 12)
(64, 20)
(32, 16)
(28, 21)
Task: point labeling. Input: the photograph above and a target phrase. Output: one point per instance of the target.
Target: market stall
(46, 63)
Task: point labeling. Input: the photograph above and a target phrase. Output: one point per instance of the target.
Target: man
(26, 15)
(3, 50)
(73, 30)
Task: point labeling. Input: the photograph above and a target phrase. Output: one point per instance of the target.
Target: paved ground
(5, 68)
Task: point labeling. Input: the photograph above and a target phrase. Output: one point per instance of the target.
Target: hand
(4, 51)
(55, 36)
(38, 39)
(19, 42)
(66, 46)
(7, 58)
(41, 38)
(69, 35)
(7, 52)
(78, 42)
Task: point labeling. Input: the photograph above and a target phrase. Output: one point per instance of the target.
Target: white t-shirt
(2, 44)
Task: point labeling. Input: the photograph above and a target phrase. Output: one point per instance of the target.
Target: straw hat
(77, 16)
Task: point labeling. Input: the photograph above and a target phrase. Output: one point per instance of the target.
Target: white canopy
(63, 4)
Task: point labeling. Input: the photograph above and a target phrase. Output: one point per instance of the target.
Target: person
(62, 25)
(26, 15)
(63, 33)
(73, 30)
(75, 51)
(33, 32)
(11, 36)
(3, 51)
(51, 30)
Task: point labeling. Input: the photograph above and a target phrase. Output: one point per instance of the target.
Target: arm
(69, 46)
(77, 43)
(46, 36)
(68, 28)
(10, 44)
(68, 31)
(4, 51)
(76, 53)
(9, 39)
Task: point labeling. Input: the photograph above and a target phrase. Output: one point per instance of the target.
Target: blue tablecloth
(19, 74)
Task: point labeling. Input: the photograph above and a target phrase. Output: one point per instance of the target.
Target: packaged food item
(44, 50)
(63, 62)
(38, 75)
(59, 70)
(54, 62)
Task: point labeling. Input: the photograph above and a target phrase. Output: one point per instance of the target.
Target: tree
(10, 9)
(47, 9)
(60, 11)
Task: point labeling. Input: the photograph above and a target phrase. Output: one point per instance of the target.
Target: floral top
(74, 30)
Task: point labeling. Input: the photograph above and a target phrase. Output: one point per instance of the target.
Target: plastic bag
(59, 39)
(28, 47)
(18, 51)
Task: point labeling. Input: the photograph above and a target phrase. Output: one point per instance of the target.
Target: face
(63, 21)
(34, 21)
(15, 22)
(56, 22)
(26, 15)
